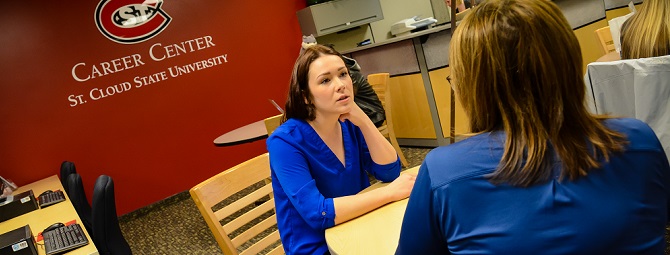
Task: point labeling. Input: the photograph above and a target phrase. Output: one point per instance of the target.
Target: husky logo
(131, 21)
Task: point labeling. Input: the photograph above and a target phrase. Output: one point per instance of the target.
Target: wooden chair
(249, 177)
(604, 36)
(461, 15)
(380, 84)
(272, 123)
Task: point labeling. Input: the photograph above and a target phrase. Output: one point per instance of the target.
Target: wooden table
(376, 232)
(246, 134)
(42, 218)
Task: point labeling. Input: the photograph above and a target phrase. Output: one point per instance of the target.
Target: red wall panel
(153, 140)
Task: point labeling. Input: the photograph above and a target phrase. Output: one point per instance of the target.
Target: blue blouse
(621, 208)
(306, 176)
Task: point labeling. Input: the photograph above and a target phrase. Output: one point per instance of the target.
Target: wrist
(385, 195)
(367, 125)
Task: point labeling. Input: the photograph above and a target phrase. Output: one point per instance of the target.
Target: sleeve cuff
(388, 172)
(328, 213)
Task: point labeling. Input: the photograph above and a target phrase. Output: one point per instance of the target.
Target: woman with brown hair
(646, 33)
(321, 155)
(540, 174)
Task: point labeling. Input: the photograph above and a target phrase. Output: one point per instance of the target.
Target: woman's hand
(355, 115)
(401, 187)
(381, 151)
(349, 207)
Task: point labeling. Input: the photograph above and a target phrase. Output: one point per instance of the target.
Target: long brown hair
(299, 103)
(647, 32)
(517, 67)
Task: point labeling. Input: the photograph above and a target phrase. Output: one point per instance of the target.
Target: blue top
(621, 208)
(306, 176)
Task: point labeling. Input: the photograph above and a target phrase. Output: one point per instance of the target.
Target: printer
(407, 26)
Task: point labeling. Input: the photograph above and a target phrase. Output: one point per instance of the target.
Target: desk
(376, 232)
(419, 55)
(42, 218)
(246, 134)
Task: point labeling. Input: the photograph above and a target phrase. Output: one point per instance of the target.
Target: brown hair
(647, 32)
(517, 67)
(298, 91)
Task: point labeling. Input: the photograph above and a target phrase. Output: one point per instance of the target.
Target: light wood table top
(42, 218)
(245, 134)
(376, 232)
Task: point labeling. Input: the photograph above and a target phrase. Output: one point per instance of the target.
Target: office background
(155, 140)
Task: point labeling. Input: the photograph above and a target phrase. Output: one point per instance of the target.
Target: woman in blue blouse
(539, 175)
(321, 154)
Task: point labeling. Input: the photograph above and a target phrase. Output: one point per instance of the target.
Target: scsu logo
(131, 21)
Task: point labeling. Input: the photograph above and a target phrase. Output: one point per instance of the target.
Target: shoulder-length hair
(299, 101)
(647, 32)
(517, 67)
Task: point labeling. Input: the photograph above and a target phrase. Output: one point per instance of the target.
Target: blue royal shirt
(621, 208)
(306, 176)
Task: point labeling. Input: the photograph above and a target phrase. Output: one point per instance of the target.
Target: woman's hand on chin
(355, 115)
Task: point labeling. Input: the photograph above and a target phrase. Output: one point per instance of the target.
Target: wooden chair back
(241, 226)
(604, 36)
(272, 123)
(461, 15)
(380, 84)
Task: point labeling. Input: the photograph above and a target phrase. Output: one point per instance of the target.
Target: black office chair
(66, 168)
(107, 234)
(75, 188)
